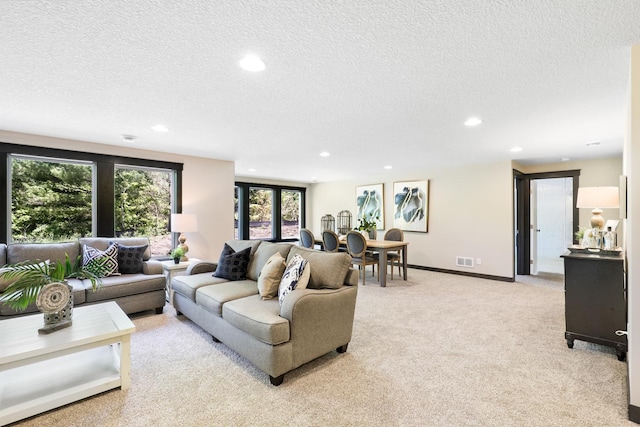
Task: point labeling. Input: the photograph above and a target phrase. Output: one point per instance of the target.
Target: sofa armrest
(151, 267)
(201, 267)
(320, 320)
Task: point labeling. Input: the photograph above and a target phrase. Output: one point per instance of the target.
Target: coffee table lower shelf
(33, 389)
(40, 373)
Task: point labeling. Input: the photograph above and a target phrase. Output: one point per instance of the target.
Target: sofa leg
(214, 339)
(342, 348)
(178, 313)
(159, 310)
(277, 380)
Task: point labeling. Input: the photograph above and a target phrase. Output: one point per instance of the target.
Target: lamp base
(597, 221)
(182, 239)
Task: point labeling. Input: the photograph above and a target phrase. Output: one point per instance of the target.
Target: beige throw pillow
(270, 275)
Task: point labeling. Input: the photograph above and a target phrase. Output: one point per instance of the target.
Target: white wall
(207, 187)
(632, 225)
(470, 214)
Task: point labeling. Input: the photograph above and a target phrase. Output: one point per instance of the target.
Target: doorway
(546, 218)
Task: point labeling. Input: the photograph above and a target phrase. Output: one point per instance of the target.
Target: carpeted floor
(436, 350)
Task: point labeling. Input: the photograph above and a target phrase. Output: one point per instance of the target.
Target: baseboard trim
(463, 273)
(634, 414)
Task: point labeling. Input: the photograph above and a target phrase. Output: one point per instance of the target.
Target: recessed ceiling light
(160, 128)
(592, 143)
(516, 149)
(388, 167)
(472, 121)
(251, 170)
(314, 179)
(565, 159)
(129, 138)
(252, 63)
(325, 154)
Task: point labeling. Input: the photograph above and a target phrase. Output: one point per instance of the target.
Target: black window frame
(276, 220)
(105, 173)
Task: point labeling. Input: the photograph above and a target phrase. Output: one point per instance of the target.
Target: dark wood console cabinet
(595, 300)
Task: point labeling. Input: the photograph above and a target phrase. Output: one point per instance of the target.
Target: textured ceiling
(375, 83)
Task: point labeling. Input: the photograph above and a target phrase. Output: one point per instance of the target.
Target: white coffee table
(43, 372)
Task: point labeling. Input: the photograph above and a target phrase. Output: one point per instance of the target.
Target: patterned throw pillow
(130, 259)
(233, 265)
(292, 277)
(107, 260)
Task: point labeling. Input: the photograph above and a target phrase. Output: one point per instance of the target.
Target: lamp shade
(598, 197)
(184, 223)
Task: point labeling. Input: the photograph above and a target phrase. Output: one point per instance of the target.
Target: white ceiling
(373, 82)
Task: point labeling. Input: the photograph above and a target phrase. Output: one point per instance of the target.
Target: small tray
(575, 249)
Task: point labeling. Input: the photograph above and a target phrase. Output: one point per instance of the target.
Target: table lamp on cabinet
(598, 198)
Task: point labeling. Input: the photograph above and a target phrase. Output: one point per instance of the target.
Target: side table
(171, 269)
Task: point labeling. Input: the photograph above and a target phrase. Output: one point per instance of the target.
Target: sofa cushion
(19, 252)
(125, 285)
(106, 260)
(262, 255)
(233, 265)
(130, 258)
(3, 254)
(328, 269)
(103, 243)
(270, 276)
(293, 277)
(258, 318)
(188, 285)
(212, 298)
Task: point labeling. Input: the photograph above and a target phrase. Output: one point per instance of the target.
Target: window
(260, 213)
(143, 205)
(56, 195)
(51, 199)
(268, 212)
(290, 213)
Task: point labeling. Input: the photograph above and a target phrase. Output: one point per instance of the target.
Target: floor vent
(464, 261)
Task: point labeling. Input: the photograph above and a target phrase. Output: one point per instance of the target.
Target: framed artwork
(370, 202)
(411, 205)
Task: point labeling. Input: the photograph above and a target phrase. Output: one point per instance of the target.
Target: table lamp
(183, 223)
(598, 198)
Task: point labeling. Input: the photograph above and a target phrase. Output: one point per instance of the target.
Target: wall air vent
(462, 261)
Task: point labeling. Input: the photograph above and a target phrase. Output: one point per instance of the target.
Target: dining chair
(307, 239)
(330, 241)
(396, 235)
(357, 247)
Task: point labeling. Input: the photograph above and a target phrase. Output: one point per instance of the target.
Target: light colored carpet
(437, 350)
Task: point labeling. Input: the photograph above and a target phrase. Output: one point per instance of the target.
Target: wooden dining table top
(375, 244)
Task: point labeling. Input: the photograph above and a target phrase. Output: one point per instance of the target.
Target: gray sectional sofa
(276, 338)
(133, 292)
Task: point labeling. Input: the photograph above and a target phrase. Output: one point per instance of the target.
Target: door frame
(522, 185)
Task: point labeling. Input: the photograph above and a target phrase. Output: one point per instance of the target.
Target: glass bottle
(609, 239)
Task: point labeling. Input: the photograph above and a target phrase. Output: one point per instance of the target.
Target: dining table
(382, 247)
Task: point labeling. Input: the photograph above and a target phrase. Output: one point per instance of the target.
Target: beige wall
(632, 225)
(470, 215)
(593, 173)
(207, 188)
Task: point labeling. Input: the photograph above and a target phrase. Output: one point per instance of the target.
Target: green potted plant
(44, 283)
(177, 254)
(368, 224)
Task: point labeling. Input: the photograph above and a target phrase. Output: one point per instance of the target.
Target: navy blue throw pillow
(233, 265)
(130, 259)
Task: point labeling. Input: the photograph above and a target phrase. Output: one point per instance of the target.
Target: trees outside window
(290, 213)
(268, 212)
(143, 206)
(260, 213)
(51, 200)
